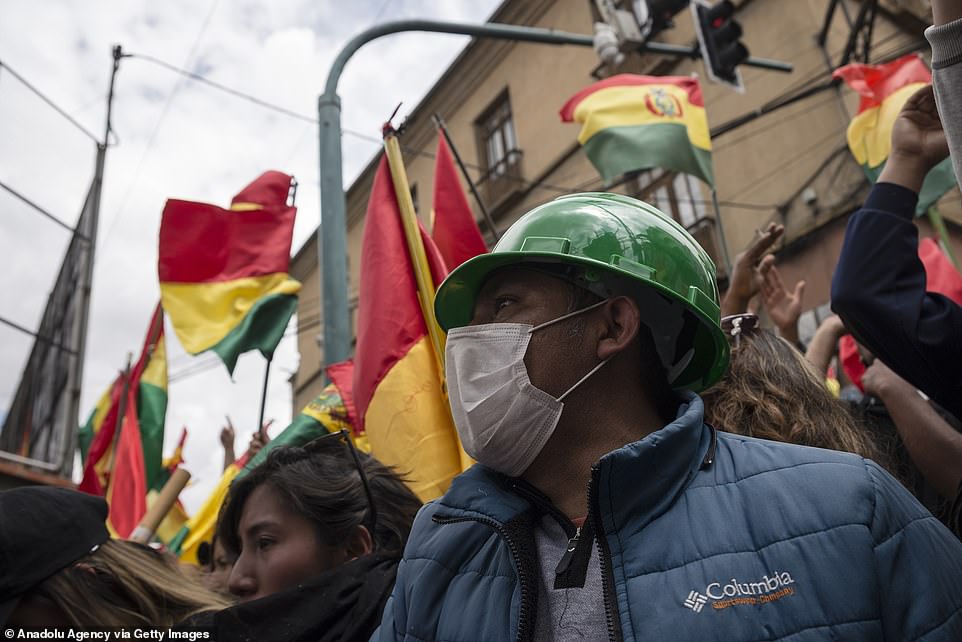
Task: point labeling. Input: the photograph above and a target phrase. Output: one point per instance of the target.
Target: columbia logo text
(769, 588)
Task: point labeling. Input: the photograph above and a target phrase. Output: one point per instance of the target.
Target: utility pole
(79, 340)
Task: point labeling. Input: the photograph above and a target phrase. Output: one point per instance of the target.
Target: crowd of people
(652, 462)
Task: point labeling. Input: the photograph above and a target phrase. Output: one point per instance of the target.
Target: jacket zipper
(604, 554)
(523, 614)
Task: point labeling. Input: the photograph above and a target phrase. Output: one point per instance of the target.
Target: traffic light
(718, 36)
(657, 14)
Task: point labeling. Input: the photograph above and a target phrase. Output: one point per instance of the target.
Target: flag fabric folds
(455, 231)
(396, 386)
(124, 465)
(883, 90)
(224, 278)
(326, 413)
(632, 122)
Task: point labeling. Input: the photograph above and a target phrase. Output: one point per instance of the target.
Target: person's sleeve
(879, 292)
(946, 42)
(918, 563)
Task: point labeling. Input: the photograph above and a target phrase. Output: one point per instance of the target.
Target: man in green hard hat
(602, 506)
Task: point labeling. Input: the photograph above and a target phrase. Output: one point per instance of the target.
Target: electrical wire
(40, 210)
(160, 120)
(38, 337)
(49, 102)
(310, 119)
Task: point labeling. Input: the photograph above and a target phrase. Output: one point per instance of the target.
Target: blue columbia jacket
(701, 537)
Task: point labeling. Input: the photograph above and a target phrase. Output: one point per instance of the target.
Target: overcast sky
(181, 139)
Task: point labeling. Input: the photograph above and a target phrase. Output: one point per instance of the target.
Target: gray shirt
(946, 41)
(570, 613)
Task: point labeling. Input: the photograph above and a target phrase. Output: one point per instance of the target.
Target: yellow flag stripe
(642, 105)
(201, 526)
(156, 371)
(409, 426)
(869, 134)
(207, 312)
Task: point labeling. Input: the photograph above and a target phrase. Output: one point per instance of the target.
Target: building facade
(500, 101)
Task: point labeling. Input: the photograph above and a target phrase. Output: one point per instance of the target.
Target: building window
(681, 197)
(674, 193)
(497, 139)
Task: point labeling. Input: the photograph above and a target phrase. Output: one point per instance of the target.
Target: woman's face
(279, 548)
(222, 561)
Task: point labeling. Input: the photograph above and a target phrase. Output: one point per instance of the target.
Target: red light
(717, 23)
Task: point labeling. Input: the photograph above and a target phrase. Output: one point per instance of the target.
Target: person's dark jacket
(700, 537)
(342, 604)
(879, 292)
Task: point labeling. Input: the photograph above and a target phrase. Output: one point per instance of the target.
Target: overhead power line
(38, 337)
(157, 125)
(40, 210)
(57, 108)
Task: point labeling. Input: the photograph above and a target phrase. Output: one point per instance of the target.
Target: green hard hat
(616, 245)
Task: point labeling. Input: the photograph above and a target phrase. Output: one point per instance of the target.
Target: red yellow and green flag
(397, 388)
(632, 122)
(124, 465)
(224, 278)
(455, 231)
(883, 90)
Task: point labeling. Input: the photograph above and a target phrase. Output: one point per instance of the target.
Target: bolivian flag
(326, 413)
(397, 388)
(123, 467)
(224, 279)
(884, 89)
(632, 122)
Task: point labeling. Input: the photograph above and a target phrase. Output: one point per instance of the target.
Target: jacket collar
(656, 468)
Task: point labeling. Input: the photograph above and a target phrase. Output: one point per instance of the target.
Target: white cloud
(208, 146)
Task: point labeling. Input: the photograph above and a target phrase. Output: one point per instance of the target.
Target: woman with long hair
(60, 568)
(318, 533)
(772, 392)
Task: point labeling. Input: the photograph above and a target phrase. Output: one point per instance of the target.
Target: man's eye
(502, 302)
(264, 543)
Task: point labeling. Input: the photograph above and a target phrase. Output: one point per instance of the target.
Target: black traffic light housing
(661, 12)
(718, 36)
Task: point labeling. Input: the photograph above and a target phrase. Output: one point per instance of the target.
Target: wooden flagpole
(419, 259)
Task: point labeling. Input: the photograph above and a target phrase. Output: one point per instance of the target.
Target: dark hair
(323, 485)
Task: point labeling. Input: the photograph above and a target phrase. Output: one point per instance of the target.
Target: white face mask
(502, 418)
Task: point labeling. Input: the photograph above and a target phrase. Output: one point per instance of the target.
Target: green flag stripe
(151, 413)
(261, 329)
(617, 150)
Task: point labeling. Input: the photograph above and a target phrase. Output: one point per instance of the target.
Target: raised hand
(784, 306)
(918, 142)
(744, 282)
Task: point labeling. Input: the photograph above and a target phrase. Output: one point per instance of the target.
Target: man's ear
(623, 320)
(360, 544)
